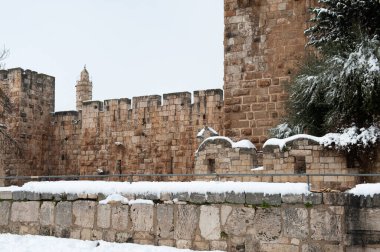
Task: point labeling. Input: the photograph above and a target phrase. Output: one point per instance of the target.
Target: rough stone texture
(292, 198)
(84, 213)
(47, 213)
(236, 198)
(142, 217)
(5, 207)
(19, 210)
(209, 222)
(295, 222)
(63, 214)
(325, 225)
(119, 217)
(267, 224)
(165, 221)
(5, 195)
(103, 219)
(234, 224)
(186, 222)
(197, 198)
(229, 227)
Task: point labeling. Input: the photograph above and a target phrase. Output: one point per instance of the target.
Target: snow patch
(156, 188)
(350, 136)
(366, 189)
(241, 144)
(113, 198)
(141, 201)
(28, 243)
(200, 133)
(260, 168)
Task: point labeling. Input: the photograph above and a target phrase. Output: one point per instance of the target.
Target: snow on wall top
(144, 188)
(241, 144)
(349, 136)
(200, 133)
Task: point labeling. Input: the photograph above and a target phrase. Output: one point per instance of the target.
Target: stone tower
(83, 89)
(264, 43)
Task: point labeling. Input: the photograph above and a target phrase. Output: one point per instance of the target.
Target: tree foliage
(339, 85)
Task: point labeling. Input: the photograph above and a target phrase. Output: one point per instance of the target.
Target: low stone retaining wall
(231, 222)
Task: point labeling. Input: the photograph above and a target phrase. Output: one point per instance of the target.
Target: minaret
(83, 89)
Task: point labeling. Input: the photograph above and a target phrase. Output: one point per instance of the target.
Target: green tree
(339, 84)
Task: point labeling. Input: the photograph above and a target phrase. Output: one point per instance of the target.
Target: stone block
(4, 195)
(235, 198)
(360, 220)
(47, 213)
(165, 221)
(325, 225)
(187, 222)
(254, 198)
(181, 196)
(238, 220)
(19, 195)
(32, 196)
(312, 248)
(27, 211)
(376, 200)
(218, 245)
(123, 237)
(46, 196)
(336, 199)
(295, 222)
(142, 217)
(313, 198)
(5, 208)
(275, 247)
(267, 224)
(84, 213)
(215, 198)
(183, 244)
(119, 217)
(197, 198)
(72, 196)
(58, 196)
(225, 211)
(209, 222)
(103, 219)
(201, 245)
(63, 214)
(168, 243)
(292, 198)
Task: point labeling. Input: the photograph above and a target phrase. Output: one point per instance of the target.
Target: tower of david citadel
(264, 42)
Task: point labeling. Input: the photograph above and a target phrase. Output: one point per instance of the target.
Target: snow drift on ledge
(343, 140)
(203, 187)
(241, 144)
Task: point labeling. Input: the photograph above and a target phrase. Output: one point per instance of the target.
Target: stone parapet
(230, 222)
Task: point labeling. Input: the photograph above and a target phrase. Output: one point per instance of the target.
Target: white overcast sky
(131, 47)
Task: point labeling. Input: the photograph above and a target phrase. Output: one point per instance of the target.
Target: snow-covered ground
(34, 243)
(116, 189)
(108, 188)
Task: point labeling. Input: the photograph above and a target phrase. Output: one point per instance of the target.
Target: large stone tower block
(83, 89)
(264, 43)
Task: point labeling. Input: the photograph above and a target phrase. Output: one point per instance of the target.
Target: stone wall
(232, 222)
(27, 117)
(218, 156)
(303, 156)
(263, 43)
(145, 136)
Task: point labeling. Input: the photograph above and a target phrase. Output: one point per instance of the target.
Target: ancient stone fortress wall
(231, 222)
(263, 43)
(216, 155)
(26, 119)
(146, 135)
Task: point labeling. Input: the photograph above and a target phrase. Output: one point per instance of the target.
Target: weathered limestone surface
(187, 220)
(209, 222)
(84, 213)
(25, 211)
(336, 222)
